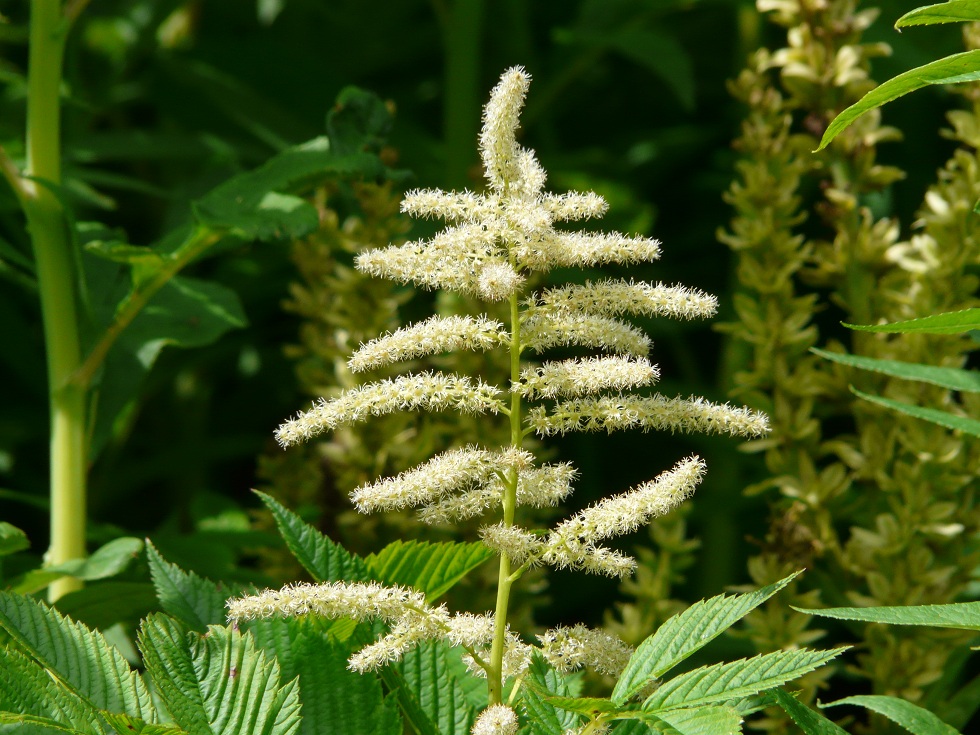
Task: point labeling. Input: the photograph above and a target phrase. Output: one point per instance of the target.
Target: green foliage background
(165, 99)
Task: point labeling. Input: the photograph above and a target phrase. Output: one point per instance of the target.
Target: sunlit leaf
(933, 415)
(684, 633)
(951, 378)
(431, 568)
(964, 67)
(952, 11)
(915, 719)
(964, 615)
(950, 322)
(809, 721)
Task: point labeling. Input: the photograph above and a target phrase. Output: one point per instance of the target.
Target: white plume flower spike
(491, 245)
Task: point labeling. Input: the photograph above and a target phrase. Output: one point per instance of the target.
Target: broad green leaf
(915, 719)
(431, 568)
(544, 717)
(953, 11)
(36, 724)
(257, 205)
(964, 67)
(104, 604)
(194, 601)
(12, 539)
(321, 557)
(951, 378)
(684, 633)
(933, 415)
(809, 721)
(717, 720)
(217, 684)
(187, 312)
(106, 561)
(30, 697)
(961, 615)
(125, 725)
(427, 672)
(79, 657)
(743, 678)
(950, 322)
(336, 699)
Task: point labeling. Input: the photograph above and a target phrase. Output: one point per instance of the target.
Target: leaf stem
(199, 240)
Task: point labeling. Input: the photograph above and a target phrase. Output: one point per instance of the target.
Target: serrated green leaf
(544, 718)
(737, 679)
(964, 67)
(335, 699)
(106, 561)
(684, 633)
(718, 720)
(428, 674)
(257, 205)
(193, 600)
(950, 322)
(431, 568)
(951, 378)
(932, 415)
(961, 615)
(125, 725)
(321, 557)
(81, 658)
(952, 11)
(917, 720)
(12, 539)
(810, 722)
(30, 696)
(217, 684)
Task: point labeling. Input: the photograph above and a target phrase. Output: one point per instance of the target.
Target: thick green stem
(461, 41)
(495, 676)
(57, 285)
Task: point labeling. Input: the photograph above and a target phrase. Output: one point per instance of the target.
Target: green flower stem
(57, 278)
(196, 244)
(505, 581)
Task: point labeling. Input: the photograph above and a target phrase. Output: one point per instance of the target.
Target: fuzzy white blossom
(458, 470)
(612, 297)
(542, 331)
(622, 514)
(497, 719)
(572, 378)
(430, 337)
(361, 601)
(568, 649)
(519, 545)
(429, 391)
(498, 280)
(613, 413)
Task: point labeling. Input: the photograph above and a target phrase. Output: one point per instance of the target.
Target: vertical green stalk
(57, 285)
(461, 41)
(495, 677)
